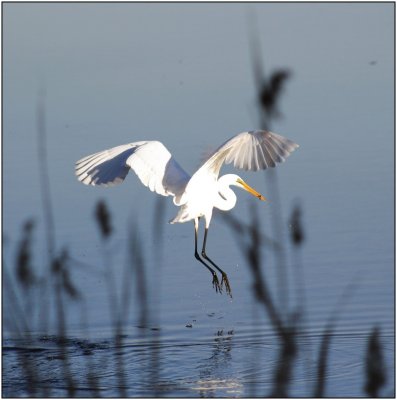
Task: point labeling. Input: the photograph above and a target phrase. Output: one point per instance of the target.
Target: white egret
(198, 194)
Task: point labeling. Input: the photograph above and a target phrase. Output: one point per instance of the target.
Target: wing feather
(251, 151)
(150, 160)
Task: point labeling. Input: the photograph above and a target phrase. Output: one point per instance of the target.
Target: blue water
(182, 74)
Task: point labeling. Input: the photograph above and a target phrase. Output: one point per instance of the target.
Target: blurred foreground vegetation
(37, 290)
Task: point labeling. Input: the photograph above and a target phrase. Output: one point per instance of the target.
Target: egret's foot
(215, 283)
(225, 281)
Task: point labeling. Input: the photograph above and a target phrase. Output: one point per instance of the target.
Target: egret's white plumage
(196, 195)
(150, 160)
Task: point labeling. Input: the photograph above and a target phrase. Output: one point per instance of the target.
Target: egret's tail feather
(183, 216)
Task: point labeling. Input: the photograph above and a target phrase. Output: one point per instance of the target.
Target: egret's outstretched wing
(251, 151)
(150, 160)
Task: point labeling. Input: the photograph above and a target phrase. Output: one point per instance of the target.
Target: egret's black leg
(215, 282)
(224, 276)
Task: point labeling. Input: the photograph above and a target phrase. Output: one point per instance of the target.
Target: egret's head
(243, 185)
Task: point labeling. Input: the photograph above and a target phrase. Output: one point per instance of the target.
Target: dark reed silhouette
(375, 376)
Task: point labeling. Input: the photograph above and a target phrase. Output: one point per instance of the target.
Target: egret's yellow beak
(249, 189)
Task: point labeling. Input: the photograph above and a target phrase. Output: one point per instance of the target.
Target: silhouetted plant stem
(285, 364)
(286, 330)
(277, 229)
(158, 235)
(44, 178)
(257, 62)
(46, 202)
(62, 287)
(322, 363)
(16, 311)
(261, 290)
(374, 365)
(138, 266)
(297, 237)
(268, 93)
(104, 222)
(24, 271)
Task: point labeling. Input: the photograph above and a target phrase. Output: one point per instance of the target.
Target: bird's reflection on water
(214, 372)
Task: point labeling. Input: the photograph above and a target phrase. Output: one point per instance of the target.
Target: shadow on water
(134, 361)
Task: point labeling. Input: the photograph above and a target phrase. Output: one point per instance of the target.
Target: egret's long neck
(226, 199)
